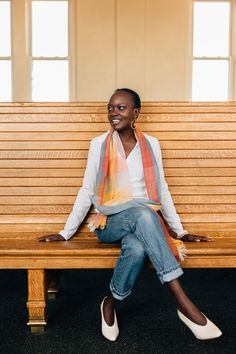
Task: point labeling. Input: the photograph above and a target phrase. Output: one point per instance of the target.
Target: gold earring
(132, 124)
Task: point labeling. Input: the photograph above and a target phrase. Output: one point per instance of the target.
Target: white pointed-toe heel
(109, 332)
(208, 331)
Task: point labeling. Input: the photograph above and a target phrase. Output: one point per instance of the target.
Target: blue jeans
(140, 233)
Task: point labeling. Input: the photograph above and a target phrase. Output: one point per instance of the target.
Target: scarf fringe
(97, 221)
(182, 250)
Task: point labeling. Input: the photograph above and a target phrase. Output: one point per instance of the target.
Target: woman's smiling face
(121, 111)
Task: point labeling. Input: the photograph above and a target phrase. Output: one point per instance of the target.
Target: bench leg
(36, 300)
(53, 282)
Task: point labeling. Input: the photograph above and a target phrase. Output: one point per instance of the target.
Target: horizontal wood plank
(37, 191)
(41, 173)
(196, 190)
(34, 209)
(82, 154)
(101, 117)
(201, 172)
(48, 181)
(48, 136)
(216, 201)
(61, 218)
(36, 200)
(77, 181)
(15, 164)
(88, 135)
(43, 154)
(186, 163)
(204, 199)
(44, 207)
(84, 145)
(44, 145)
(79, 172)
(179, 190)
(199, 181)
(101, 127)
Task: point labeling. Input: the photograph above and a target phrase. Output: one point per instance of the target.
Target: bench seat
(30, 254)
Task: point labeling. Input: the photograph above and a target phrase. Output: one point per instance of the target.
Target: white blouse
(83, 200)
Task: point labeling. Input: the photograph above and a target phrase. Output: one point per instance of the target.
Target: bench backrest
(44, 146)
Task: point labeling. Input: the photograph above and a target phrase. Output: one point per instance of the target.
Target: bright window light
(5, 29)
(50, 80)
(211, 29)
(50, 51)
(5, 80)
(5, 51)
(210, 79)
(211, 51)
(49, 28)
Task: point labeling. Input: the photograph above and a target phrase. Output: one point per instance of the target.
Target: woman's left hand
(195, 238)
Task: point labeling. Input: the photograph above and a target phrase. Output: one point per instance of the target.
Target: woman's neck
(127, 136)
(128, 140)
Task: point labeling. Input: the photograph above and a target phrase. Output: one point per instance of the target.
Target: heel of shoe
(208, 331)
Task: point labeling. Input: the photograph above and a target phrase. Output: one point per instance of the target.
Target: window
(5, 51)
(211, 50)
(50, 51)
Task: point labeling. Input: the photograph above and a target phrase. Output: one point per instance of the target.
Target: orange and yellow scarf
(113, 189)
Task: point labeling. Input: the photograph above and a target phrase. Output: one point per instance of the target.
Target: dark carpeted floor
(148, 320)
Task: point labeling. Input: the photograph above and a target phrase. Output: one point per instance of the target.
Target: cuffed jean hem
(117, 295)
(174, 274)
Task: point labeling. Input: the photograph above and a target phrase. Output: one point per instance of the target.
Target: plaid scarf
(113, 189)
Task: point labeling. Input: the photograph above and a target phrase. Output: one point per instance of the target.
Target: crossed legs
(140, 233)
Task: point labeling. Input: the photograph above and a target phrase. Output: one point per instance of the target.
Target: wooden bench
(43, 156)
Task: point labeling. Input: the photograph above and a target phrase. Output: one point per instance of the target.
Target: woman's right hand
(51, 238)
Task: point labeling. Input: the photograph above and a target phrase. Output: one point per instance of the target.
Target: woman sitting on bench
(124, 180)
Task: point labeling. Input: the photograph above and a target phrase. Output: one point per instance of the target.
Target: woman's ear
(136, 112)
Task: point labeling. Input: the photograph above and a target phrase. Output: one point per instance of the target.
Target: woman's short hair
(135, 96)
